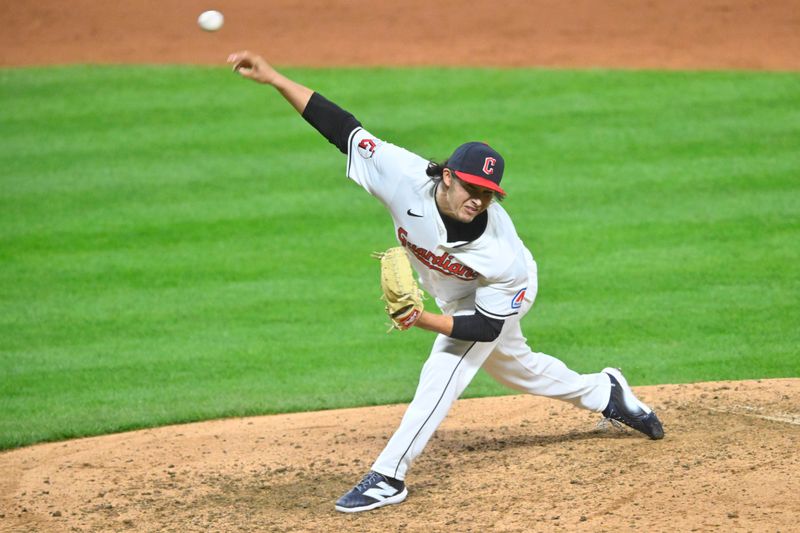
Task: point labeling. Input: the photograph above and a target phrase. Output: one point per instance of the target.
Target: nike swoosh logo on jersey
(409, 212)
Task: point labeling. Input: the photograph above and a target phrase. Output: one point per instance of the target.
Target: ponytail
(435, 170)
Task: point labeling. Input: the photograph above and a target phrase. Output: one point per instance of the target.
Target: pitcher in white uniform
(468, 256)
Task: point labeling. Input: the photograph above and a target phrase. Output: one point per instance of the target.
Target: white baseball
(210, 20)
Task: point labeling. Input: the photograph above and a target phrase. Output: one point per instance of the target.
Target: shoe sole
(397, 498)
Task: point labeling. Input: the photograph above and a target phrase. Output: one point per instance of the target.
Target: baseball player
(466, 252)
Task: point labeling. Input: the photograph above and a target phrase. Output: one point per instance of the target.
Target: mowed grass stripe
(176, 244)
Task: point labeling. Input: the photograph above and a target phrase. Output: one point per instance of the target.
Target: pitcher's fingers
(238, 56)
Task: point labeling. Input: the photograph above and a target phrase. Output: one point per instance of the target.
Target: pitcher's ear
(447, 177)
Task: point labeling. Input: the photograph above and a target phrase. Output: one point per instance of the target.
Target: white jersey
(490, 274)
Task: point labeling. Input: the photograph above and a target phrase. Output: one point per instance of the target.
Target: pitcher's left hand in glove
(401, 293)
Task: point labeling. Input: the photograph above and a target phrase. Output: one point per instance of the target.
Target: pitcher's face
(460, 200)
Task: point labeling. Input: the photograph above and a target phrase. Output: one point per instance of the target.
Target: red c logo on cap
(488, 165)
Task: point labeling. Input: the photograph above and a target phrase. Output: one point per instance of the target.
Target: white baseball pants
(451, 366)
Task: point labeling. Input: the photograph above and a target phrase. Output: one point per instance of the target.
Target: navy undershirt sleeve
(333, 122)
(477, 327)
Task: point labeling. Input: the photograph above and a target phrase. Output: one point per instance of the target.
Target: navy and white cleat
(625, 407)
(375, 490)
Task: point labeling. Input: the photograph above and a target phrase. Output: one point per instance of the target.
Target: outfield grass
(176, 244)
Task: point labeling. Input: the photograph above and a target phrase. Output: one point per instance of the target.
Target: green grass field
(177, 244)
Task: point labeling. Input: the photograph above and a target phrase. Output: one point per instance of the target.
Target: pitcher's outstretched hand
(253, 66)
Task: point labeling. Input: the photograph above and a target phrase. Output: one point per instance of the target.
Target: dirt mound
(516, 463)
(687, 34)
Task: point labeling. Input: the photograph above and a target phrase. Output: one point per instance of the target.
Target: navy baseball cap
(479, 164)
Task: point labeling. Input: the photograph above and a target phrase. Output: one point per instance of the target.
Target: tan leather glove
(401, 293)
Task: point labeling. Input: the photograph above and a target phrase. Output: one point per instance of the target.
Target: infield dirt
(685, 34)
(729, 461)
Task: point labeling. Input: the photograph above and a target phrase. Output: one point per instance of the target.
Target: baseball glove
(401, 293)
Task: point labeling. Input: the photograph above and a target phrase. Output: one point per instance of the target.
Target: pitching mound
(516, 463)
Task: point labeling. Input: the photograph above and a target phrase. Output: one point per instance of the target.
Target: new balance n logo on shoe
(381, 492)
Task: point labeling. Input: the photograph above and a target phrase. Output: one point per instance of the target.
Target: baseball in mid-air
(210, 20)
